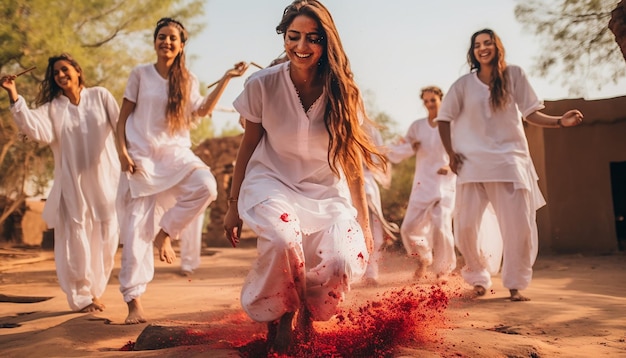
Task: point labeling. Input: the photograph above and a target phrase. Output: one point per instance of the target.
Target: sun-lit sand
(578, 309)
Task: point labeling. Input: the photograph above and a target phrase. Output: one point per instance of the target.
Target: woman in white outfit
(378, 224)
(301, 154)
(168, 186)
(480, 124)
(426, 229)
(78, 123)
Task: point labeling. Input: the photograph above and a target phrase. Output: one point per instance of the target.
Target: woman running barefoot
(167, 185)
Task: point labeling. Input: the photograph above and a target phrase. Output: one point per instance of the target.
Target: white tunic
(428, 186)
(494, 143)
(162, 159)
(291, 158)
(86, 165)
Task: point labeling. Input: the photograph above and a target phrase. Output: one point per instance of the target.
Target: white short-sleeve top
(163, 159)
(493, 142)
(428, 186)
(291, 160)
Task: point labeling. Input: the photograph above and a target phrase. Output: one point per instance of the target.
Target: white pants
(516, 218)
(191, 244)
(84, 255)
(377, 232)
(294, 269)
(172, 210)
(427, 234)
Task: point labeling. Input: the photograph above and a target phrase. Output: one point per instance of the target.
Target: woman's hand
(239, 69)
(232, 224)
(456, 161)
(571, 118)
(8, 83)
(127, 163)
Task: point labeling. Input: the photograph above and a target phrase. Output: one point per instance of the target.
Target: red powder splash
(284, 217)
(406, 315)
(373, 330)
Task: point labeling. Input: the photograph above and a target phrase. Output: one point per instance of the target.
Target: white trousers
(516, 218)
(427, 234)
(84, 255)
(171, 210)
(191, 244)
(293, 269)
(378, 234)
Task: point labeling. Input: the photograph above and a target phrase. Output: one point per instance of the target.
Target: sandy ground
(578, 309)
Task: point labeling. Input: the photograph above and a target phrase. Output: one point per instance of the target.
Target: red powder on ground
(284, 217)
(404, 316)
(128, 346)
(373, 330)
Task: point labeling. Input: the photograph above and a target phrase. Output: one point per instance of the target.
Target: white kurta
(310, 245)
(171, 186)
(81, 204)
(496, 151)
(427, 226)
(162, 159)
(378, 223)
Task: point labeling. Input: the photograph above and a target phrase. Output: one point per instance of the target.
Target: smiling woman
(302, 150)
(78, 123)
(166, 186)
(483, 134)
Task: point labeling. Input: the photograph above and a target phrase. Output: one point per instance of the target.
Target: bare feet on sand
(420, 272)
(163, 243)
(135, 312)
(517, 297)
(479, 290)
(94, 306)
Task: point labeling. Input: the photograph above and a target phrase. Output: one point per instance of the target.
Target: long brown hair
(49, 89)
(499, 86)
(348, 143)
(179, 82)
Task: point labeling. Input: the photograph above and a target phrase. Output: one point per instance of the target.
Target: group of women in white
(304, 197)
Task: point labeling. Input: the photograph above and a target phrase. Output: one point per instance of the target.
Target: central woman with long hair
(298, 180)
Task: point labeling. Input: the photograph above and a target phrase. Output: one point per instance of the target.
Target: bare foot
(164, 244)
(517, 297)
(135, 312)
(282, 334)
(479, 290)
(94, 306)
(420, 272)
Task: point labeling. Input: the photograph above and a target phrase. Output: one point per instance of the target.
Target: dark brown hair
(499, 81)
(49, 89)
(179, 82)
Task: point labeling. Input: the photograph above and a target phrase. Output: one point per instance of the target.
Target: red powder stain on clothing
(284, 217)
(407, 316)
(360, 255)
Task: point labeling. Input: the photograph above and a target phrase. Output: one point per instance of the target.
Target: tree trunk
(617, 25)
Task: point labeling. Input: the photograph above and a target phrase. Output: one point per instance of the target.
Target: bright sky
(395, 47)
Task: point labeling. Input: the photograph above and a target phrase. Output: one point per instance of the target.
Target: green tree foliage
(577, 41)
(107, 37)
